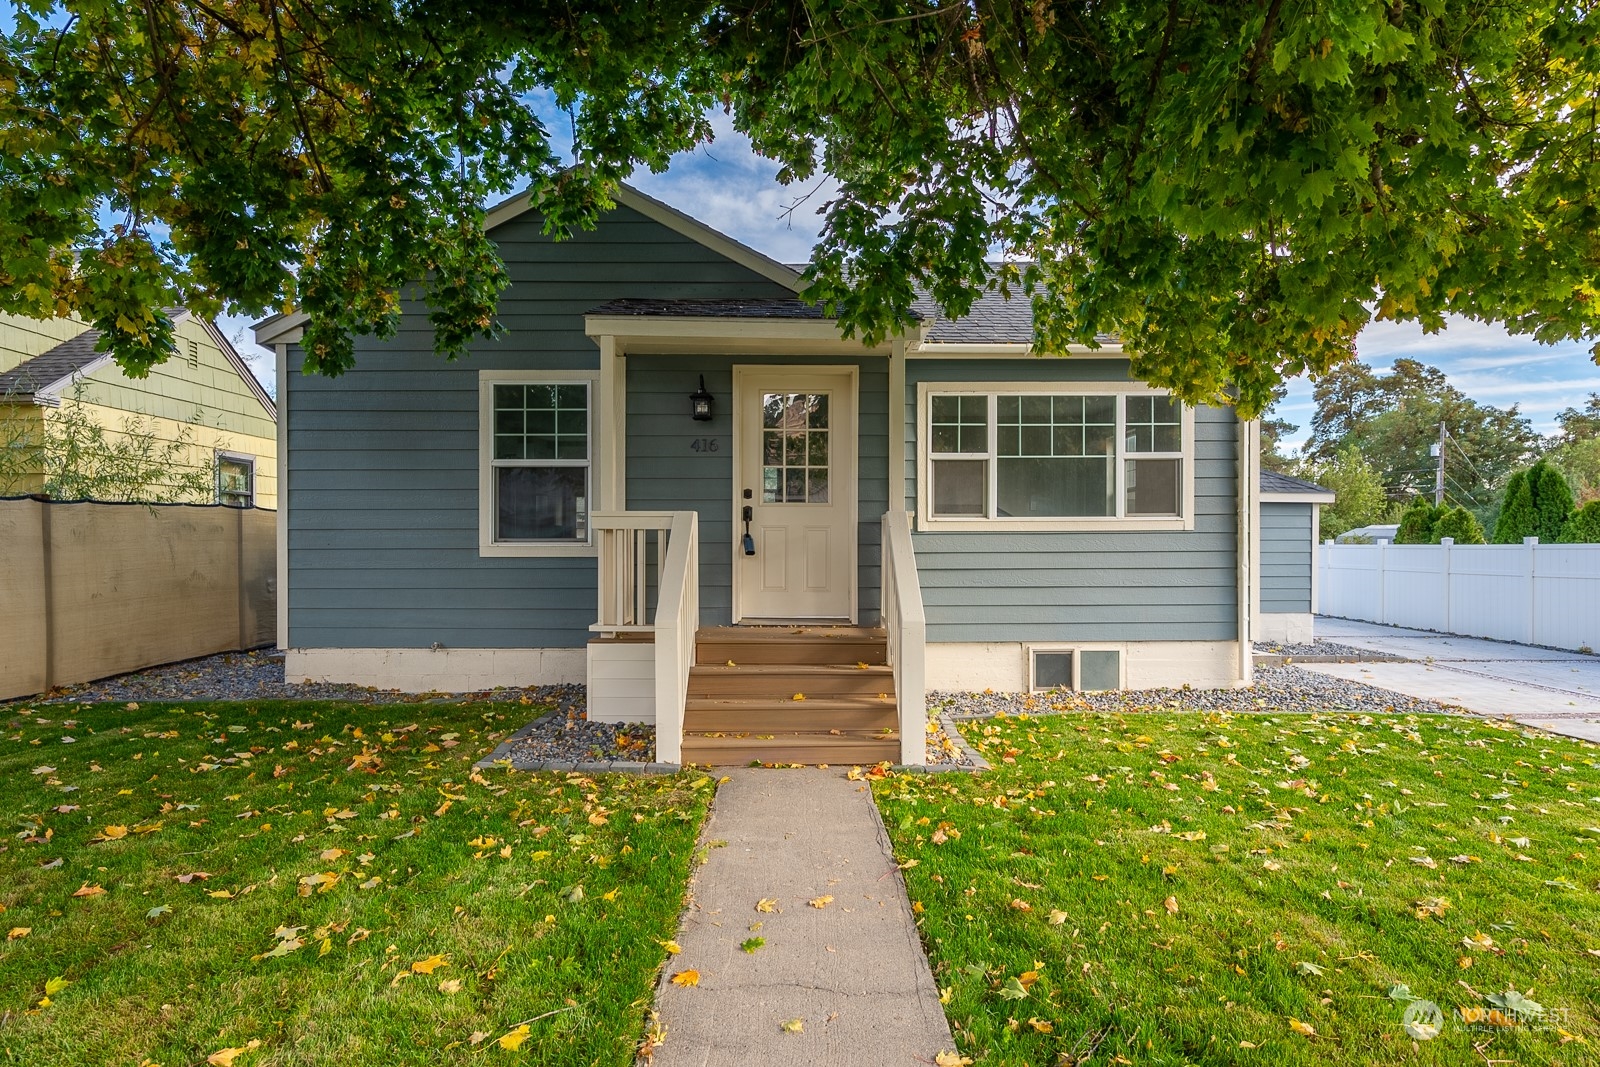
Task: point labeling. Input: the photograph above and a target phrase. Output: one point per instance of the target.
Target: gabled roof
(1287, 487)
(755, 308)
(49, 372)
(38, 374)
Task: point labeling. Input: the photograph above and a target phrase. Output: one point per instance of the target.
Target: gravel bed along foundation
(1278, 690)
(1317, 649)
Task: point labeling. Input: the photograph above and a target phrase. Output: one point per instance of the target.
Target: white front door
(794, 474)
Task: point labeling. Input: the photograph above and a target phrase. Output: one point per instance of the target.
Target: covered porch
(757, 591)
(771, 693)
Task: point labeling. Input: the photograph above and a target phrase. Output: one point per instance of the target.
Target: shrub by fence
(90, 589)
(1533, 593)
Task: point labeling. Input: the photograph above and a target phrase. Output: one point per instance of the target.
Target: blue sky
(730, 188)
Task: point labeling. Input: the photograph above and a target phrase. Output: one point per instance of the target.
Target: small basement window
(1083, 669)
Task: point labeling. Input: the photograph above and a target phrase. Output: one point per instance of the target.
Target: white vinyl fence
(1532, 593)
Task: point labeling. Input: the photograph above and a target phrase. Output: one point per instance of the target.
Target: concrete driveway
(1542, 687)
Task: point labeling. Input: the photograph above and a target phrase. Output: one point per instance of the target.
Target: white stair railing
(677, 623)
(625, 565)
(907, 630)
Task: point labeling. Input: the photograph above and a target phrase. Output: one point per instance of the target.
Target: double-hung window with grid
(998, 456)
(537, 450)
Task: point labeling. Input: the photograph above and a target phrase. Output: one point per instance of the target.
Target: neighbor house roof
(46, 369)
(1284, 486)
(52, 370)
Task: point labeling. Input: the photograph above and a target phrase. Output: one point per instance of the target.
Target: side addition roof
(1284, 488)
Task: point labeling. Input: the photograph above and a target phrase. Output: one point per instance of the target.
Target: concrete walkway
(1542, 687)
(853, 971)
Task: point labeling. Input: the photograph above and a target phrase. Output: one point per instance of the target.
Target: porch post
(612, 418)
(897, 424)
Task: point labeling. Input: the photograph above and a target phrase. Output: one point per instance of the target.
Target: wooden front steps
(742, 707)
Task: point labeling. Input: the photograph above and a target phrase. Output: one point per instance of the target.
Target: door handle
(748, 543)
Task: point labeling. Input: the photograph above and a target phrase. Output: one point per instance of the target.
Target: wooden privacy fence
(1532, 593)
(89, 590)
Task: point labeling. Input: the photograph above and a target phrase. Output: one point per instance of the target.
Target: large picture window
(536, 448)
(1042, 457)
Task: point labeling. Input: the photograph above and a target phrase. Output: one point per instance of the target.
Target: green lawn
(331, 881)
(1174, 889)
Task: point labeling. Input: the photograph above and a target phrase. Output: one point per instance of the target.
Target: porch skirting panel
(441, 670)
(1285, 627)
(1004, 665)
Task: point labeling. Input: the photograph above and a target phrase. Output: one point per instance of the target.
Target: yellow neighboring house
(205, 393)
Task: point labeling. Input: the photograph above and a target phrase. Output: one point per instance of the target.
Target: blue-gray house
(674, 480)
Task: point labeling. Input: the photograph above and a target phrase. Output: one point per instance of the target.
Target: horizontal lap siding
(1090, 586)
(665, 474)
(1286, 557)
(383, 462)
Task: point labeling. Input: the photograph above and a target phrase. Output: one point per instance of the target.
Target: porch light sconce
(700, 403)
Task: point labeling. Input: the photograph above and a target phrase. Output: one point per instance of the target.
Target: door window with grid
(795, 446)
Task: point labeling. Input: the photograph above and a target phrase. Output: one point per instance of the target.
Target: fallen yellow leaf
(513, 1041)
(792, 1026)
(19, 931)
(225, 1057)
(450, 986)
(767, 904)
(1304, 1029)
(821, 902)
(686, 978)
(110, 833)
(87, 890)
(672, 947)
(429, 965)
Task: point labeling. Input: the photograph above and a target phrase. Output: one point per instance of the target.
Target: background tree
(72, 456)
(1516, 519)
(1275, 432)
(1394, 420)
(1584, 526)
(1575, 448)
(1458, 524)
(1552, 500)
(1229, 187)
(1359, 499)
(1537, 503)
(1417, 522)
(1580, 424)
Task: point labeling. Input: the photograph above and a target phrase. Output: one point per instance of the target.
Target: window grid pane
(1153, 424)
(541, 422)
(960, 424)
(794, 448)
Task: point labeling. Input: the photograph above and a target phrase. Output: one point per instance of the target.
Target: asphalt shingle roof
(1273, 482)
(31, 375)
(777, 308)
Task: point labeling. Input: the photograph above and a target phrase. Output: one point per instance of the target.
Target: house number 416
(704, 444)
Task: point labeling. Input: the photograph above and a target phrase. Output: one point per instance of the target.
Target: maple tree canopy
(1233, 187)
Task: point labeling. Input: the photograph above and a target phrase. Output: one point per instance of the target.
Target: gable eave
(673, 219)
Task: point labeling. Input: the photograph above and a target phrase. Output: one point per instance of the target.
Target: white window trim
(487, 380)
(1056, 524)
(234, 457)
(1077, 665)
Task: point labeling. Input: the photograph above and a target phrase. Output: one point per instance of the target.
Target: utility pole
(1438, 474)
